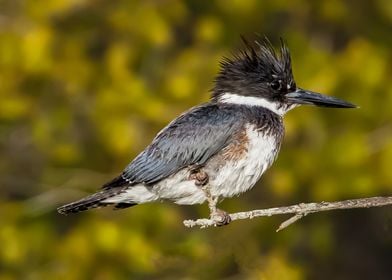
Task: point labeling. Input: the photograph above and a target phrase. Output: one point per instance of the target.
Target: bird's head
(260, 76)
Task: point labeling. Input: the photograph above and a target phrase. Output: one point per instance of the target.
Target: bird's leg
(219, 216)
(201, 178)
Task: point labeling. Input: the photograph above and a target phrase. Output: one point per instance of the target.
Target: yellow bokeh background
(86, 84)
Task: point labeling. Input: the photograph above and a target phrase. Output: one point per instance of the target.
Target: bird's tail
(95, 200)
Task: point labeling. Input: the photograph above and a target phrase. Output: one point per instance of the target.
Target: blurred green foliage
(86, 84)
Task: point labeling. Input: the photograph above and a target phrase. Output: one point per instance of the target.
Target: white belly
(239, 176)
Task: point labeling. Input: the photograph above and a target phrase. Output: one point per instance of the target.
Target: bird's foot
(220, 217)
(200, 177)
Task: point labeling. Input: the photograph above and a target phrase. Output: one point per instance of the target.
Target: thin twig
(290, 221)
(299, 210)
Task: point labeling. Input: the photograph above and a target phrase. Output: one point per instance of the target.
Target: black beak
(301, 96)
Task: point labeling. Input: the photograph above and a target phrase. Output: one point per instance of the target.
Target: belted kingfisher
(218, 149)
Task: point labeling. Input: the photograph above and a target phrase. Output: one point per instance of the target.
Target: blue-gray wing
(191, 139)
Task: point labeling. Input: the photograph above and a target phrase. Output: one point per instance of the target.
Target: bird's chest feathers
(247, 157)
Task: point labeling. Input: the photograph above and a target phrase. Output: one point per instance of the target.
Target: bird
(221, 148)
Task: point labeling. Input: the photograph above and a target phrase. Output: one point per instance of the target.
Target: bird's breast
(240, 165)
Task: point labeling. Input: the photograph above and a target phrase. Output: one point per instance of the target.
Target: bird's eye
(276, 85)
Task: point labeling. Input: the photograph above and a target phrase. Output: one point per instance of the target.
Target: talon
(221, 218)
(200, 177)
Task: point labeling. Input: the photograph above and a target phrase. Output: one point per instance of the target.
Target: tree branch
(299, 210)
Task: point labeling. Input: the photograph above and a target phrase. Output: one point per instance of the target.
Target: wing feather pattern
(191, 139)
